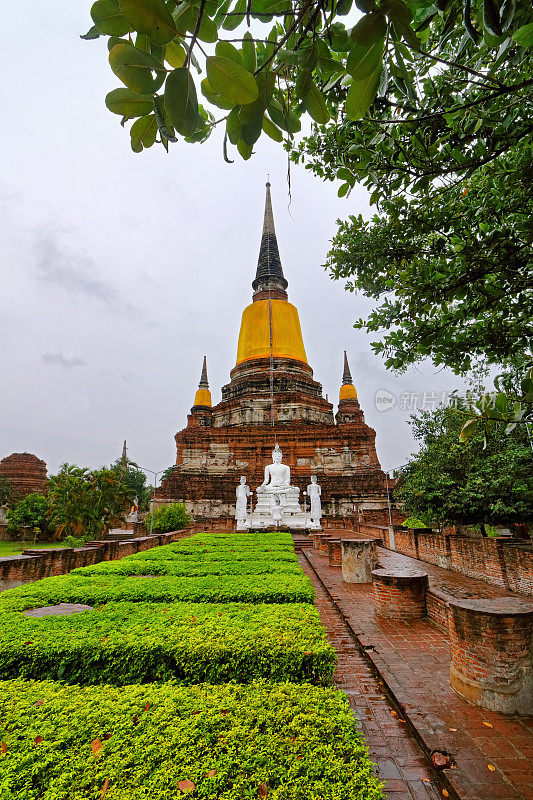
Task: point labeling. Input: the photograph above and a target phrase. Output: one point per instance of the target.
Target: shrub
(121, 643)
(187, 568)
(276, 588)
(168, 518)
(31, 513)
(140, 742)
(194, 555)
(414, 522)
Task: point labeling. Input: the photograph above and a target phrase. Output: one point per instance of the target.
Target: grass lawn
(15, 548)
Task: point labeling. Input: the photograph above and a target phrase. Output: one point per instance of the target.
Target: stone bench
(491, 652)
(399, 593)
(358, 558)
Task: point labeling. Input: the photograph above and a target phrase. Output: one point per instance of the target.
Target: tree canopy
(472, 482)
(407, 72)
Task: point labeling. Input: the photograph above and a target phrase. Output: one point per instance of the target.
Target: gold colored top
(348, 392)
(254, 336)
(202, 398)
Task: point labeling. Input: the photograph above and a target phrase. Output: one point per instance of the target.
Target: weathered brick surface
(26, 471)
(406, 541)
(335, 552)
(399, 594)
(491, 653)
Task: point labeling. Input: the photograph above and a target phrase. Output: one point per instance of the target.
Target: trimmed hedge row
(121, 643)
(187, 568)
(220, 553)
(284, 741)
(91, 590)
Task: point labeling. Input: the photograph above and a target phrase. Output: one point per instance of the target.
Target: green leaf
(181, 103)
(284, 119)
(251, 131)
(364, 59)
(238, 13)
(370, 28)
(249, 55)
(163, 122)
(343, 190)
(231, 80)
(134, 68)
(227, 50)
(150, 17)
(234, 125)
(244, 149)
(108, 19)
(144, 132)
(92, 33)
(315, 104)
(469, 430)
(303, 83)
(214, 98)
(128, 103)
(361, 95)
(175, 54)
(524, 35)
(272, 130)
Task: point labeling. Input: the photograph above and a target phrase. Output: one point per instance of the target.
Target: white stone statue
(314, 491)
(277, 475)
(276, 511)
(241, 507)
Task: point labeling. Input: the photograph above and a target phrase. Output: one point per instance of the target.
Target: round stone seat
(335, 552)
(491, 643)
(399, 593)
(358, 558)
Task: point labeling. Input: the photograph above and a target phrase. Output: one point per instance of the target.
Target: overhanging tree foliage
(395, 74)
(473, 482)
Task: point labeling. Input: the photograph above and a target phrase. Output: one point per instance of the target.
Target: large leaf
(234, 125)
(181, 103)
(315, 104)
(163, 121)
(107, 17)
(266, 82)
(248, 52)
(361, 95)
(227, 50)
(231, 80)
(524, 35)
(214, 98)
(272, 130)
(237, 15)
(284, 119)
(369, 40)
(150, 17)
(127, 103)
(143, 132)
(134, 67)
(175, 54)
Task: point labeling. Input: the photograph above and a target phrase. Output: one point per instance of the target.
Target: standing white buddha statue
(314, 490)
(241, 507)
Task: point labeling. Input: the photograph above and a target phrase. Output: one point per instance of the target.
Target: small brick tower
(272, 396)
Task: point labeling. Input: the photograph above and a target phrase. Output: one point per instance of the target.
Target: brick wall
(33, 565)
(434, 548)
(518, 565)
(406, 543)
(437, 609)
(399, 597)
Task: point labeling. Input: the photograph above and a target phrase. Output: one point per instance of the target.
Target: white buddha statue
(277, 475)
(241, 507)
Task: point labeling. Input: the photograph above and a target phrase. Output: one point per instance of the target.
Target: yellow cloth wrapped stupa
(348, 390)
(270, 325)
(203, 395)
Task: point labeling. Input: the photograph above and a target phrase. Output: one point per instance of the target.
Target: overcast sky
(120, 271)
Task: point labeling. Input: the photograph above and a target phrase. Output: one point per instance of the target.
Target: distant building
(271, 397)
(26, 472)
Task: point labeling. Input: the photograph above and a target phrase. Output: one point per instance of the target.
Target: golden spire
(203, 395)
(348, 391)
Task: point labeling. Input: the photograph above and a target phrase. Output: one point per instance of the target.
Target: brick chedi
(26, 472)
(272, 396)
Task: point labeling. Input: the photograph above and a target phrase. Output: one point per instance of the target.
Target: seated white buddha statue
(277, 476)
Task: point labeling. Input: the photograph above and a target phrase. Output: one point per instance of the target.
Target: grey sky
(120, 271)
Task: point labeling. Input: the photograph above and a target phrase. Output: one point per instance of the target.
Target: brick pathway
(413, 661)
(400, 763)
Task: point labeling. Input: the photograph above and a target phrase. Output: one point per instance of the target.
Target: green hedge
(121, 643)
(140, 742)
(277, 588)
(125, 566)
(168, 552)
(269, 538)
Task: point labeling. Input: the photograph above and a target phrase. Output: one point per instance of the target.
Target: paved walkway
(492, 753)
(401, 765)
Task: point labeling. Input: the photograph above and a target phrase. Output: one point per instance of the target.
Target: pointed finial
(204, 383)
(346, 376)
(269, 269)
(124, 458)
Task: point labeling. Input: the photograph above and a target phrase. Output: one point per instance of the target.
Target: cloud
(74, 273)
(58, 359)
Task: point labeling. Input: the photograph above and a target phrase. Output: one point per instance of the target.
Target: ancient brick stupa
(26, 472)
(271, 397)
